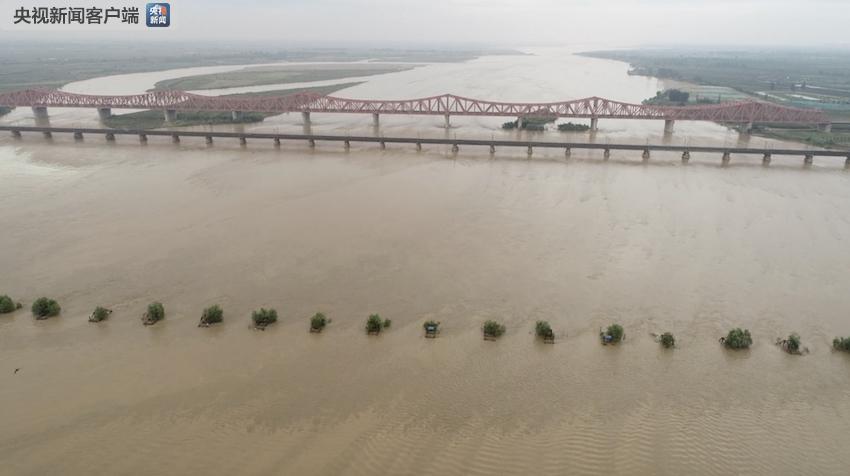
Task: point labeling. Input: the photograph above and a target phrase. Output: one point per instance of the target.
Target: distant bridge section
(447, 105)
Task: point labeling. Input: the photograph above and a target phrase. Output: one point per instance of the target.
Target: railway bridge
(744, 113)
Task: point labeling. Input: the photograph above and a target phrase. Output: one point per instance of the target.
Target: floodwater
(582, 243)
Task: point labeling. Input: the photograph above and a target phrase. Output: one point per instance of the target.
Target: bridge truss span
(445, 105)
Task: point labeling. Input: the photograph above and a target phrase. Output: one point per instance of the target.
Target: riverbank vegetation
(265, 75)
(47, 64)
(154, 314)
(263, 318)
(7, 305)
(211, 315)
(543, 330)
(318, 322)
(155, 119)
(374, 324)
(737, 339)
(613, 334)
(100, 314)
(44, 307)
(5, 110)
(492, 329)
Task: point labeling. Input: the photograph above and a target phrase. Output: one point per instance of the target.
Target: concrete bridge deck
(456, 143)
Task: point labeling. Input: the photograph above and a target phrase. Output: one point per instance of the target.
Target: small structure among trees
(263, 318)
(543, 330)
(432, 328)
(613, 334)
(100, 314)
(44, 308)
(792, 344)
(374, 324)
(841, 344)
(211, 315)
(737, 339)
(155, 313)
(318, 322)
(492, 330)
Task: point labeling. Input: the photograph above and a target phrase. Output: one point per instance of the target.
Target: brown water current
(582, 243)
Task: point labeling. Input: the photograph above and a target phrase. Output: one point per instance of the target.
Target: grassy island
(154, 314)
(374, 324)
(737, 339)
(613, 334)
(543, 330)
(100, 314)
(211, 315)
(263, 318)
(492, 330)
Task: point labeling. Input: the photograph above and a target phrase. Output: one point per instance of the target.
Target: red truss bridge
(593, 108)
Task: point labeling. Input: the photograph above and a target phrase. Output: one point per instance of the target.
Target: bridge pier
(277, 141)
(726, 158)
(170, 115)
(530, 151)
(40, 112)
(747, 127)
(808, 159)
(208, 140)
(16, 134)
(383, 145)
(48, 135)
(448, 122)
(376, 119)
(668, 126)
(143, 138)
(104, 113)
(305, 117)
(312, 143)
(825, 127)
(110, 137)
(846, 161)
(568, 152)
(175, 138)
(645, 155)
(765, 160)
(455, 148)
(78, 136)
(237, 116)
(347, 145)
(492, 148)
(243, 140)
(606, 154)
(418, 146)
(594, 124)
(686, 156)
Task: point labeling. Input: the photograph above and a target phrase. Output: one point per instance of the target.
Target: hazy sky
(491, 22)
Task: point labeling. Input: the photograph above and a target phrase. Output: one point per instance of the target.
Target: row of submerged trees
(737, 338)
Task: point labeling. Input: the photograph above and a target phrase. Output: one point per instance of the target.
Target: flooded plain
(580, 242)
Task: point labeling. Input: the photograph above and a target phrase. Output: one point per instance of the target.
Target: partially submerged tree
(493, 329)
(432, 328)
(737, 339)
(154, 314)
(211, 315)
(374, 324)
(100, 314)
(791, 344)
(264, 317)
(44, 307)
(7, 305)
(667, 340)
(318, 322)
(841, 343)
(613, 334)
(543, 330)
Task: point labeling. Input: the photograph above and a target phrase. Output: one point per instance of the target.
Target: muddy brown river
(582, 243)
